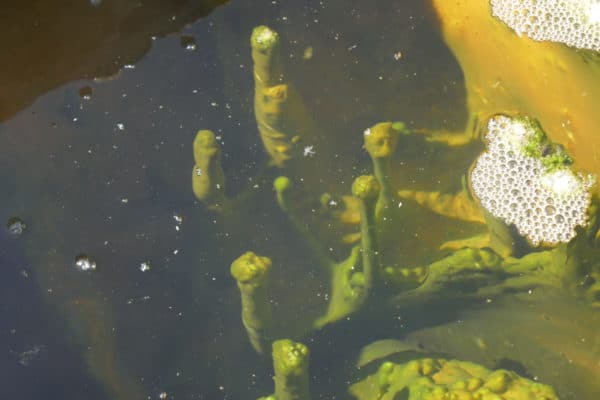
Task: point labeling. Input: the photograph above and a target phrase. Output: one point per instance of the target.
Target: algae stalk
(380, 141)
(280, 116)
(366, 188)
(352, 279)
(208, 178)
(290, 362)
(265, 55)
(251, 273)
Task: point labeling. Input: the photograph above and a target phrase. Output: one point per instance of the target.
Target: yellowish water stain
(506, 73)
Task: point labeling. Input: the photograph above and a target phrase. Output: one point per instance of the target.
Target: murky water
(118, 284)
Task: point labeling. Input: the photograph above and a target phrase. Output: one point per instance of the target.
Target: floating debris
(84, 263)
(85, 92)
(145, 266)
(188, 43)
(27, 356)
(308, 53)
(309, 151)
(15, 226)
(178, 220)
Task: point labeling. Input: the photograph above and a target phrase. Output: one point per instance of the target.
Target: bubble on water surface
(85, 92)
(145, 266)
(188, 43)
(84, 263)
(15, 226)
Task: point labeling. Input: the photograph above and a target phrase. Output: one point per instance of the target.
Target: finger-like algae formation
(252, 273)
(279, 111)
(290, 364)
(208, 178)
(380, 141)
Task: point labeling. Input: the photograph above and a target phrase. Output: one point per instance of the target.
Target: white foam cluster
(575, 23)
(544, 206)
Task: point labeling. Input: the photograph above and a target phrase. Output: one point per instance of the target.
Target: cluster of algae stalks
(360, 281)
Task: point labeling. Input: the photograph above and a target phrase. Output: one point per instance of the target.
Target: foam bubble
(575, 23)
(524, 192)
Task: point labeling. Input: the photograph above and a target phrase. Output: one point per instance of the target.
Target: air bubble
(15, 226)
(85, 92)
(84, 263)
(188, 43)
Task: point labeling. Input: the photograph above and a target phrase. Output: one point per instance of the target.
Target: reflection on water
(49, 44)
(115, 275)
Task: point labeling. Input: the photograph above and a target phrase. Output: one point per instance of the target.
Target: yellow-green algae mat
(440, 379)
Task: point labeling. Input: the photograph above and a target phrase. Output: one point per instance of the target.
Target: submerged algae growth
(369, 283)
(208, 178)
(440, 379)
(290, 364)
(282, 121)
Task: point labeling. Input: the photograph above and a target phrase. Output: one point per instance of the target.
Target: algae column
(208, 178)
(252, 273)
(280, 115)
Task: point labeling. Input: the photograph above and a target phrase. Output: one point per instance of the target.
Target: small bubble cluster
(544, 205)
(188, 43)
(575, 23)
(84, 263)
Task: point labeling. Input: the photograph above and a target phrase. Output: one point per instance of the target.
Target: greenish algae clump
(208, 178)
(290, 362)
(440, 379)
